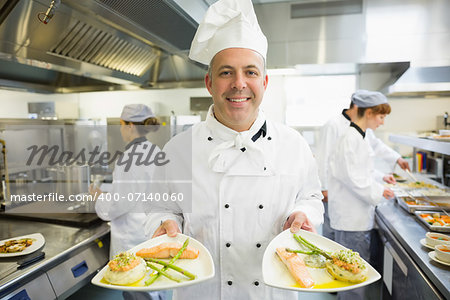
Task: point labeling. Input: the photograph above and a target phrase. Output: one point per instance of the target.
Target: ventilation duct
(325, 8)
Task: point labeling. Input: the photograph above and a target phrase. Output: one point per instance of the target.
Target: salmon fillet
(167, 250)
(296, 267)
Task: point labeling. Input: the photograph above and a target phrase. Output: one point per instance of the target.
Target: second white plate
(202, 267)
(38, 242)
(276, 274)
(423, 242)
(432, 255)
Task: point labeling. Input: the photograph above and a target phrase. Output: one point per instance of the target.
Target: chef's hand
(388, 194)
(94, 191)
(168, 226)
(298, 220)
(325, 196)
(403, 164)
(389, 179)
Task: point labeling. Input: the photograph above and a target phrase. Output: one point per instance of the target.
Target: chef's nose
(239, 81)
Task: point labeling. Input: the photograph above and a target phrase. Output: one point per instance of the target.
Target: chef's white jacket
(354, 185)
(126, 219)
(242, 194)
(330, 134)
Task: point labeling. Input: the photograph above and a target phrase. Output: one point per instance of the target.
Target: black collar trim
(262, 131)
(136, 141)
(358, 129)
(344, 113)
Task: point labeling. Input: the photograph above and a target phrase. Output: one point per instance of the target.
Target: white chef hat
(227, 24)
(364, 98)
(136, 113)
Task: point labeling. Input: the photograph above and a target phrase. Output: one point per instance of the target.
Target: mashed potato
(347, 266)
(125, 269)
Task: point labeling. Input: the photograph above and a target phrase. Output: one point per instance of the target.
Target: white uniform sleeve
(309, 197)
(352, 171)
(160, 211)
(328, 137)
(130, 185)
(381, 149)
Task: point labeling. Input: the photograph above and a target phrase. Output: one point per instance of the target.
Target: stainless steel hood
(422, 81)
(96, 45)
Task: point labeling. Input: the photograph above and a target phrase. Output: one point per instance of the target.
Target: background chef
(250, 177)
(354, 185)
(126, 221)
(329, 136)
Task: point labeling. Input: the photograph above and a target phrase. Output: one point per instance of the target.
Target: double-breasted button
(210, 138)
(230, 282)
(261, 206)
(227, 205)
(256, 283)
(258, 245)
(269, 138)
(265, 168)
(228, 245)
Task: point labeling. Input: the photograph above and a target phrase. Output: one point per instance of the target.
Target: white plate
(423, 242)
(202, 267)
(432, 255)
(37, 244)
(276, 274)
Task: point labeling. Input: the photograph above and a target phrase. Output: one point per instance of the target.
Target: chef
(251, 178)
(329, 135)
(125, 217)
(354, 185)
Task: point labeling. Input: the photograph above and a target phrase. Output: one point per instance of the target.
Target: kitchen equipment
(22, 263)
(72, 179)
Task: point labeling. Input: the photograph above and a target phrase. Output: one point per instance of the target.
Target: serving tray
(428, 225)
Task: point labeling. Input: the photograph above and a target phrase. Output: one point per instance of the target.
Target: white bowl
(434, 238)
(443, 253)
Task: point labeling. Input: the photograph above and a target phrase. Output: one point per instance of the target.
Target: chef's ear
(266, 81)
(208, 82)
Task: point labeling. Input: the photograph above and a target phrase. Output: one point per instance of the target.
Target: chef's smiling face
(237, 82)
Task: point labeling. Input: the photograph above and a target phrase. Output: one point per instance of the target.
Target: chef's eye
(225, 73)
(252, 73)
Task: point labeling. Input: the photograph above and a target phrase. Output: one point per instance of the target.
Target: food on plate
(296, 267)
(443, 253)
(125, 269)
(344, 265)
(162, 271)
(434, 238)
(168, 250)
(436, 219)
(315, 261)
(347, 265)
(13, 246)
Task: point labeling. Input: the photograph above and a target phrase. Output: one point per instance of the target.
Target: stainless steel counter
(408, 231)
(61, 244)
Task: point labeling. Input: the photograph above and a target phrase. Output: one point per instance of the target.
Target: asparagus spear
(156, 276)
(162, 272)
(176, 268)
(300, 251)
(302, 241)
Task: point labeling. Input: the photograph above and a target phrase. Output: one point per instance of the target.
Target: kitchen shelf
(422, 143)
